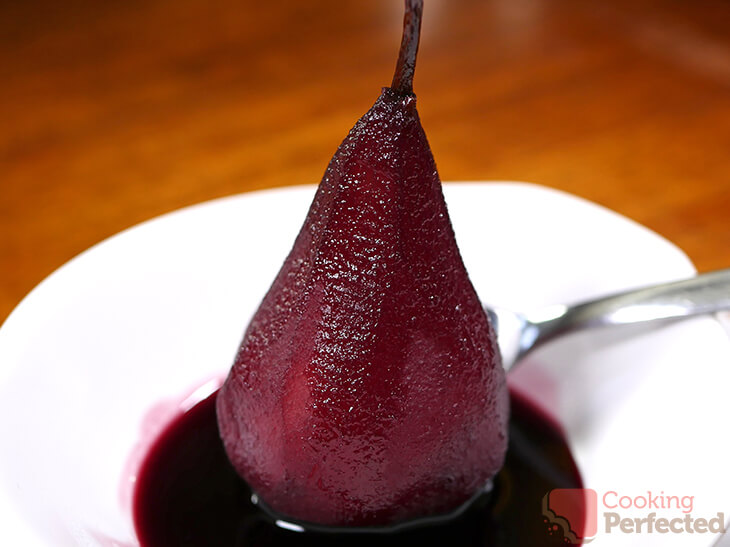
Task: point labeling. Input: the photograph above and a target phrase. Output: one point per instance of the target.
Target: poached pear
(368, 388)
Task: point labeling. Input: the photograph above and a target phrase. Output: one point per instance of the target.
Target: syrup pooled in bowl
(188, 494)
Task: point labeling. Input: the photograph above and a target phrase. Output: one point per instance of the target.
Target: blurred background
(114, 112)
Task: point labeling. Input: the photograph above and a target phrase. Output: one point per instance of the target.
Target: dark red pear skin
(368, 388)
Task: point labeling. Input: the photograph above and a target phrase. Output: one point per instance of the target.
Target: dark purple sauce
(188, 494)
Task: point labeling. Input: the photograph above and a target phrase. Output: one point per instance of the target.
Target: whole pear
(368, 388)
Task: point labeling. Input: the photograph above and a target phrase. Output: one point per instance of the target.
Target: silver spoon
(520, 333)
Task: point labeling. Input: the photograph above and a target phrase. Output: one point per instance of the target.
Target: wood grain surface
(114, 112)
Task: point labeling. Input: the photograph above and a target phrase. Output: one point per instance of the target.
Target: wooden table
(115, 112)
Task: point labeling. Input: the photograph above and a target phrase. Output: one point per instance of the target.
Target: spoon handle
(702, 294)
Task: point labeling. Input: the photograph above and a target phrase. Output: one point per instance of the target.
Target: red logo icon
(572, 510)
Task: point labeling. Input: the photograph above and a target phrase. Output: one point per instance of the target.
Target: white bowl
(100, 356)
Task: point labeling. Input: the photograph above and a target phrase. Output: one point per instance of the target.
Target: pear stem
(406, 65)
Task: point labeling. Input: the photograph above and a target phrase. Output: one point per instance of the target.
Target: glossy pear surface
(368, 388)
